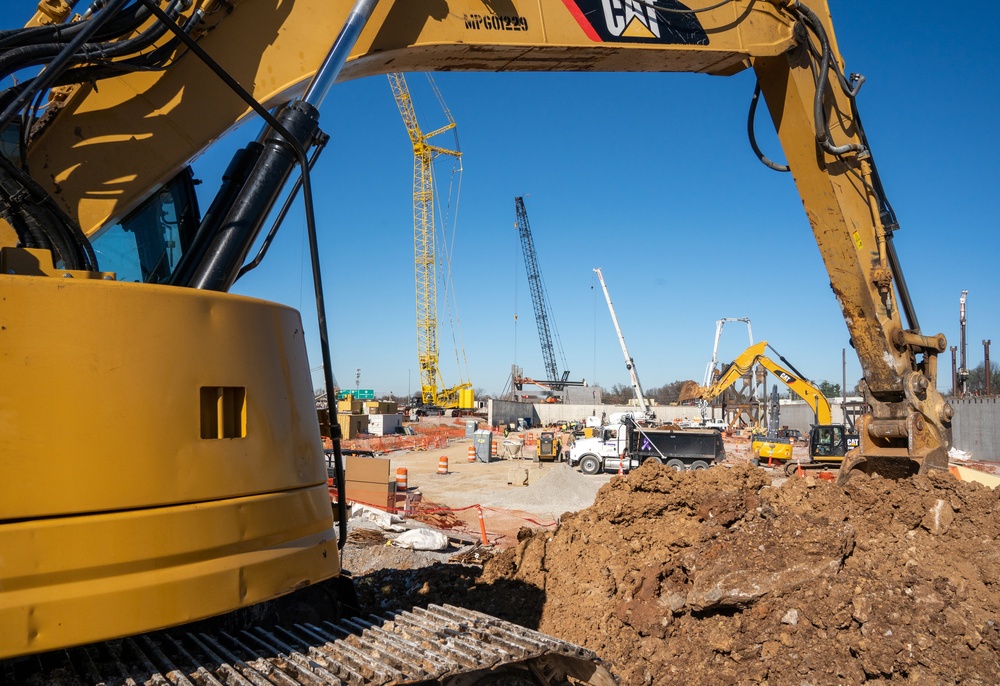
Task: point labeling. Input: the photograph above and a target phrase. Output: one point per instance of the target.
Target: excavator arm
(813, 396)
(745, 362)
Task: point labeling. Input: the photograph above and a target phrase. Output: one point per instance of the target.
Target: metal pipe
(986, 365)
(963, 369)
(328, 72)
(954, 371)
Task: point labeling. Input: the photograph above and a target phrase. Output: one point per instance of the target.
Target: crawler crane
(425, 248)
(539, 298)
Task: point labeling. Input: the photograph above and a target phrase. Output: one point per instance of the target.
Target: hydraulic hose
(78, 52)
(119, 25)
(822, 81)
(61, 61)
(751, 117)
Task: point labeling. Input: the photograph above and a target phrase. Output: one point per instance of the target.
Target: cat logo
(786, 378)
(638, 21)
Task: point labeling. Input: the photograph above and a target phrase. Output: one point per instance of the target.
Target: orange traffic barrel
(401, 486)
(443, 464)
(493, 448)
(472, 453)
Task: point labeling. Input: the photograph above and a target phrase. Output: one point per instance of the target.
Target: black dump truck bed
(688, 446)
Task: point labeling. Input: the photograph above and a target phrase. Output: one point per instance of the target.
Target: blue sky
(651, 178)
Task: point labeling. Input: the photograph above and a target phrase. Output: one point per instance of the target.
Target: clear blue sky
(651, 178)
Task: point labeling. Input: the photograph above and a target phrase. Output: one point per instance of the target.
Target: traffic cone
(621, 464)
(801, 474)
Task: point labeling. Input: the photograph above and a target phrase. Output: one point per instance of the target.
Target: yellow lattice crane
(424, 248)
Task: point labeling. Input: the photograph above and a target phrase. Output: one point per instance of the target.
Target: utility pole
(986, 365)
(843, 372)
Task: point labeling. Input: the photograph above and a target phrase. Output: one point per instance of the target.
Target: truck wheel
(698, 465)
(676, 465)
(589, 464)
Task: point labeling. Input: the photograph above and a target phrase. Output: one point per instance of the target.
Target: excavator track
(442, 644)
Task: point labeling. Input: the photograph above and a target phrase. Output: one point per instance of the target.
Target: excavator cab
(831, 441)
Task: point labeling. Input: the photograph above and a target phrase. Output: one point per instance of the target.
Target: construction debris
(477, 555)
(366, 537)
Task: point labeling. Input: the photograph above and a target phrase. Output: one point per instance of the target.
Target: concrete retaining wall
(542, 414)
(975, 427)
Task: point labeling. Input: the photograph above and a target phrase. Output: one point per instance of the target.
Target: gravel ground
(508, 505)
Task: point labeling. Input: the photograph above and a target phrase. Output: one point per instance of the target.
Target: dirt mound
(717, 577)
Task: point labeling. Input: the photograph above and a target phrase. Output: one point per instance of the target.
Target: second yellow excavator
(828, 442)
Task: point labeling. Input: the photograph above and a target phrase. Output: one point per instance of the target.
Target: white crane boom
(629, 363)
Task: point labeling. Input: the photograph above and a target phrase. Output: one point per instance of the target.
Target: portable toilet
(483, 440)
(470, 428)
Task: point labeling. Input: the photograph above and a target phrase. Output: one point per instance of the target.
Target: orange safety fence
(387, 444)
(448, 430)
(404, 505)
(428, 437)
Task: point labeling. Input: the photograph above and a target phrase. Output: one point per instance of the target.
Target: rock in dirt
(718, 577)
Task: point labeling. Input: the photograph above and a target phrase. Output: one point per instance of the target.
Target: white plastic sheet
(421, 539)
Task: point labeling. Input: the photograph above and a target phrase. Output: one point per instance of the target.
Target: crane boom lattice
(424, 245)
(537, 289)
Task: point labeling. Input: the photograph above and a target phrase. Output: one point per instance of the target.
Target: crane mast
(537, 290)
(424, 246)
(629, 363)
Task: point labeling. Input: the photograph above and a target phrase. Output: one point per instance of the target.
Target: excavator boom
(745, 362)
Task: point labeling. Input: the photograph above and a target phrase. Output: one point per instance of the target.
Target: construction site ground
(732, 575)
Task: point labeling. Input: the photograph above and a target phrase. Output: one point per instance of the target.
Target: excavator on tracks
(162, 467)
(828, 443)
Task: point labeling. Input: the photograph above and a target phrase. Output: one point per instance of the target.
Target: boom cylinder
(242, 224)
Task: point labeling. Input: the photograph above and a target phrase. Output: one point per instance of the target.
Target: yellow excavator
(161, 461)
(828, 443)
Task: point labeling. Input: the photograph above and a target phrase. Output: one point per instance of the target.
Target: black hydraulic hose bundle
(823, 76)
(100, 45)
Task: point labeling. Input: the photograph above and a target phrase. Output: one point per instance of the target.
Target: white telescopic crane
(629, 363)
(710, 369)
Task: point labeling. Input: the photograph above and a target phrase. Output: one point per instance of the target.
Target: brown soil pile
(716, 577)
